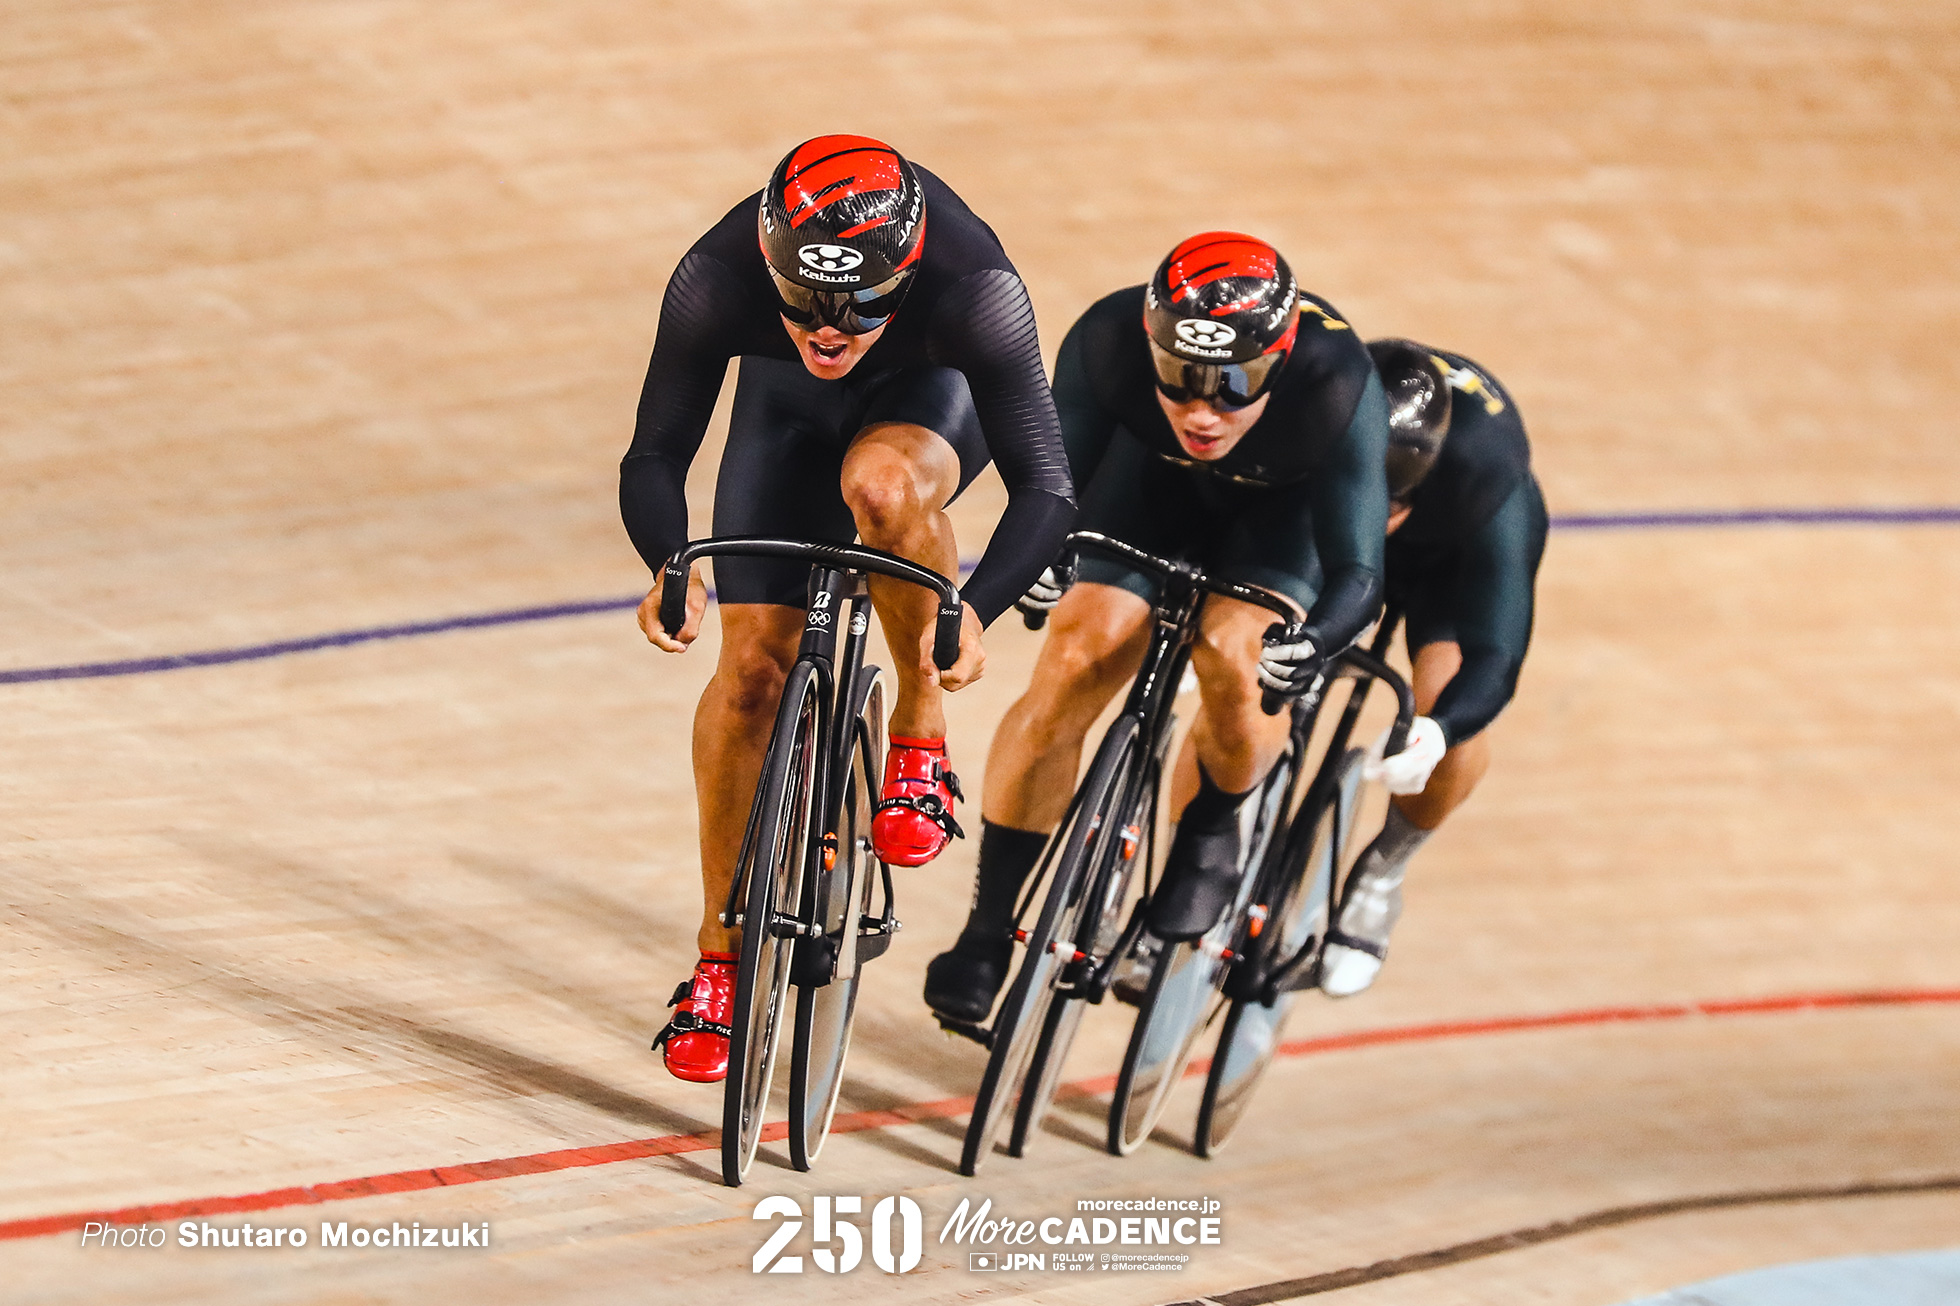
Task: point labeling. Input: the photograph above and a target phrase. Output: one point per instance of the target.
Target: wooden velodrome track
(323, 315)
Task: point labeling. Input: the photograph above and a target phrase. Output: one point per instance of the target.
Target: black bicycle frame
(1371, 668)
(1175, 615)
(1153, 692)
(838, 597)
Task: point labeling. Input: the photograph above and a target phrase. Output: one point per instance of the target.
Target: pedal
(1134, 968)
(875, 937)
(978, 1033)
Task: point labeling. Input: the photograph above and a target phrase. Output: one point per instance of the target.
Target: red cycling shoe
(914, 820)
(695, 1042)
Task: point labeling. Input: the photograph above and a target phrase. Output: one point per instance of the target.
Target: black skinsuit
(1299, 505)
(1462, 566)
(959, 356)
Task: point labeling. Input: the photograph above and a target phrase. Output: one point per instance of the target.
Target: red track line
(573, 1158)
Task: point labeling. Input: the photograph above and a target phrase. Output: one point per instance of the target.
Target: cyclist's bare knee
(758, 647)
(1094, 644)
(894, 475)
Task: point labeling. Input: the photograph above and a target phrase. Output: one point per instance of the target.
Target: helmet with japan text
(1221, 312)
(842, 225)
(1417, 384)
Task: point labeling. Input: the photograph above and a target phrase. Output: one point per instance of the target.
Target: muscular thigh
(1096, 637)
(1429, 631)
(1436, 664)
(1264, 539)
(788, 440)
(1231, 634)
(935, 400)
(779, 474)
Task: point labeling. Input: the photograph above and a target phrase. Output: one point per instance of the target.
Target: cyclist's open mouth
(1199, 446)
(829, 353)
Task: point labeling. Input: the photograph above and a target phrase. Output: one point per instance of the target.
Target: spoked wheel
(1099, 930)
(1183, 994)
(1251, 1031)
(772, 868)
(826, 997)
(1024, 1012)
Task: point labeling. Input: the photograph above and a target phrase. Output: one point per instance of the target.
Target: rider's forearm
(1351, 598)
(985, 327)
(1492, 612)
(1350, 523)
(1480, 689)
(1087, 426)
(1026, 539)
(690, 356)
(653, 505)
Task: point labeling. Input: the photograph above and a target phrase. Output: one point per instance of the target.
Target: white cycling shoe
(1358, 943)
(1346, 971)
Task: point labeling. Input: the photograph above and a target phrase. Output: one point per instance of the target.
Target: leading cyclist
(1218, 415)
(883, 360)
(1467, 530)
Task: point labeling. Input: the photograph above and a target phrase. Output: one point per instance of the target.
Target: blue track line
(1611, 521)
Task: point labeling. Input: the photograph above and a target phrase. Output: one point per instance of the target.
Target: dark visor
(854, 312)
(1223, 385)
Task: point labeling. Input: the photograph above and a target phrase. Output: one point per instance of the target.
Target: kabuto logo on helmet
(1212, 339)
(829, 258)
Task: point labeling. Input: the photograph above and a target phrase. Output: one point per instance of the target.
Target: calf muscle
(731, 737)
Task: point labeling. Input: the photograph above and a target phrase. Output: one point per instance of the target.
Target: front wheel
(772, 869)
(826, 997)
(1250, 1035)
(1099, 933)
(1181, 999)
(1024, 1012)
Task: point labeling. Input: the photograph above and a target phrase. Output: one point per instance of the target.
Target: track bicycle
(1279, 940)
(1091, 867)
(803, 884)
(1183, 987)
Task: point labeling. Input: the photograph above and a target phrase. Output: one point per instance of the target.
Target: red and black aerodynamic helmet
(842, 225)
(1417, 384)
(1221, 313)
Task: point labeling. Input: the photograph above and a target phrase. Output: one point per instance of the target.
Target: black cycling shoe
(961, 983)
(1201, 876)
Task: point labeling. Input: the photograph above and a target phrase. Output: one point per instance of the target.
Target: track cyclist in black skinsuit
(887, 350)
(1221, 416)
(1467, 528)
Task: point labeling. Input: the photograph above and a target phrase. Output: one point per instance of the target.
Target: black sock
(1007, 856)
(1211, 808)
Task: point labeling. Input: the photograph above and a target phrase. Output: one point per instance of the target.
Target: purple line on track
(336, 639)
(1605, 521)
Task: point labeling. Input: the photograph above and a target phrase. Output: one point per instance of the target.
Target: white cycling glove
(1407, 772)
(1289, 661)
(1046, 592)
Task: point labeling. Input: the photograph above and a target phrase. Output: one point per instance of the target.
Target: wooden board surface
(327, 315)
